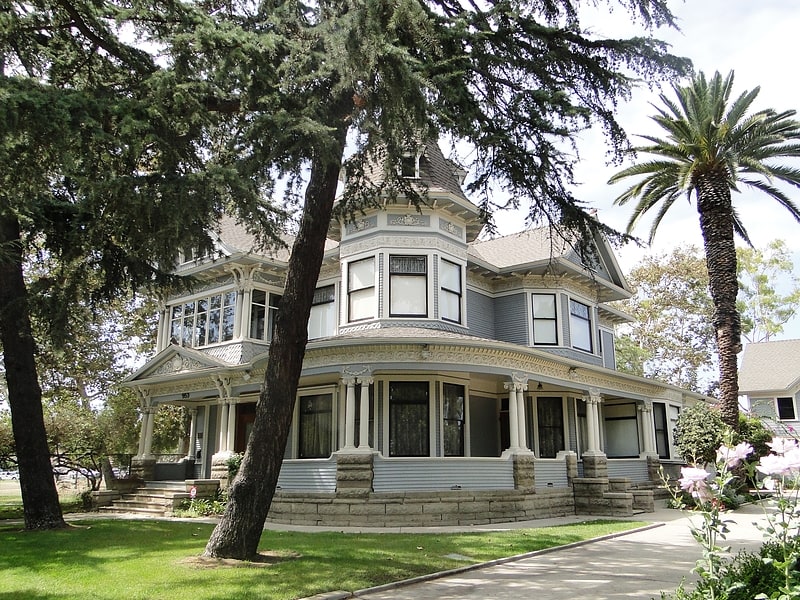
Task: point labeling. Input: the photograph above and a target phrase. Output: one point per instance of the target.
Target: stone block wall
(419, 509)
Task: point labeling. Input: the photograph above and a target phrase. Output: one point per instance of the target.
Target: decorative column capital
(349, 381)
(365, 381)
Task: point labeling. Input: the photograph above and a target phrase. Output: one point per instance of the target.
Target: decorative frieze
(409, 220)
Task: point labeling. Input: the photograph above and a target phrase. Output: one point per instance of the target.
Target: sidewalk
(636, 565)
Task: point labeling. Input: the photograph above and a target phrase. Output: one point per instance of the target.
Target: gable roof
(538, 251)
(769, 367)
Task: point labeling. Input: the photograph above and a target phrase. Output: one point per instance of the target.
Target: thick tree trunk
(40, 505)
(250, 495)
(716, 224)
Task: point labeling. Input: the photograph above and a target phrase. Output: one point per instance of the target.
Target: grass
(112, 559)
(11, 502)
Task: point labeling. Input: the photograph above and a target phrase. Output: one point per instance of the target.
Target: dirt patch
(262, 559)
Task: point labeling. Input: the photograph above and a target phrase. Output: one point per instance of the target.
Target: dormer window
(409, 166)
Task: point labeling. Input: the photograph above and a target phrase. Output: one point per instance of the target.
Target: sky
(757, 39)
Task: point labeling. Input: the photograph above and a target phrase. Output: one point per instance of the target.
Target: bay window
(361, 289)
(408, 286)
(263, 310)
(203, 321)
(450, 298)
(580, 326)
(545, 330)
(315, 426)
(322, 321)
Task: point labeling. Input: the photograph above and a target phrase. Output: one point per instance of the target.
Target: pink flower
(693, 480)
(773, 464)
(782, 445)
(733, 456)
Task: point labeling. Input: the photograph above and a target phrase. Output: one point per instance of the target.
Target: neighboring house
(446, 379)
(770, 379)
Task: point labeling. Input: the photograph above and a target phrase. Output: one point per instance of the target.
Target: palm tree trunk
(40, 505)
(250, 495)
(716, 223)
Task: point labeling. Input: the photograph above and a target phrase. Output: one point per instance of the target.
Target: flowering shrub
(771, 574)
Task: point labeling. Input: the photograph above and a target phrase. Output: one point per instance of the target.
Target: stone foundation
(419, 509)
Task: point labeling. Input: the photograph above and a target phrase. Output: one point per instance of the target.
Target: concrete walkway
(636, 565)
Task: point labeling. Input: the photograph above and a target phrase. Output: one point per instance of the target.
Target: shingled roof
(770, 367)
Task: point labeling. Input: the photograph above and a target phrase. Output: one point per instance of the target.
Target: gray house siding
(609, 349)
(480, 314)
(511, 320)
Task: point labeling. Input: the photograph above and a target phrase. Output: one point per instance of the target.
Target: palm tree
(712, 147)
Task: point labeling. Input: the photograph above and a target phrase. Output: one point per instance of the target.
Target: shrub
(698, 433)
(233, 464)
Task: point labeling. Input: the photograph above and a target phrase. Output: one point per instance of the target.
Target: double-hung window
(322, 322)
(315, 426)
(454, 416)
(580, 325)
(408, 286)
(545, 330)
(450, 298)
(786, 410)
(263, 310)
(361, 289)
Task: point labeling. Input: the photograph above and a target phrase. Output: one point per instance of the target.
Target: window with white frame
(409, 418)
(580, 325)
(408, 286)
(263, 310)
(322, 321)
(450, 298)
(622, 430)
(786, 409)
(550, 426)
(203, 321)
(665, 419)
(545, 323)
(315, 426)
(361, 289)
(454, 415)
(409, 165)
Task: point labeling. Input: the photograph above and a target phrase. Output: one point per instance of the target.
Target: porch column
(192, 450)
(231, 442)
(363, 425)
(648, 427)
(593, 422)
(520, 393)
(350, 414)
(148, 436)
(513, 415)
(223, 427)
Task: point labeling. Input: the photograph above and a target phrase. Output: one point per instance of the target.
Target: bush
(233, 464)
(698, 433)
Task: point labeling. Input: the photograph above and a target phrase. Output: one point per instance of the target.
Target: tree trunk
(250, 495)
(40, 504)
(716, 223)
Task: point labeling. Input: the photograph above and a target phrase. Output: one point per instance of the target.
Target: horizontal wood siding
(309, 475)
(609, 350)
(634, 469)
(480, 315)
(549, 473)
(431, 474)
(511, 319)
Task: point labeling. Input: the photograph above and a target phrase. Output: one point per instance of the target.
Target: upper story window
(409, 166)
(545, 320)
(322, 322)
(361, 289)
(580, 326)
(408, 286)
(204, 321)
(263, 309)
(450, 298)
(786, 411)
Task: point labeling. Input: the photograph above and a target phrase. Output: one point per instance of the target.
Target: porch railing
(308, 475)
(437, 474)
(634, 469)
(550, 473)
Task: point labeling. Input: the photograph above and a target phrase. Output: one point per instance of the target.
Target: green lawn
(114, 559)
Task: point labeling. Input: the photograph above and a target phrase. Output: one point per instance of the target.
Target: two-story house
(447, 379)
(769, 377)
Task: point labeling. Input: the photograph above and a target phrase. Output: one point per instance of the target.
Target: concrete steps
(155, 498)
